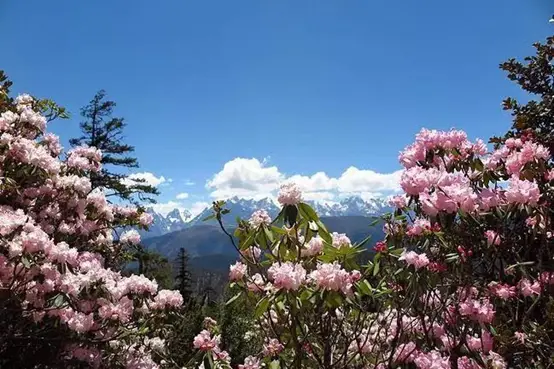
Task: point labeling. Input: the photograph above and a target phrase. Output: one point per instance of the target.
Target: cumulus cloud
(358, 180)
(182, 196)
(164, 208)
(198, 207)
(250, 178)
(247, 178)
(144, 178)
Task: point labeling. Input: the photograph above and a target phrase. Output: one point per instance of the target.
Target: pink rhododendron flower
(237, 271)
(419, 226)
(250, 362)
(167, 299)
(380, 246)
(289, 194)
(522, 192)
(131, 236)
(432, 360)
(465, 362)
(272, 347)
(340, 240)
(146, 219)
(398, 201)
(528, 288)
(313, 247)
(252, 253)
(209, 323)
(259, 217)
(520, 336)
(287, 276)
(492, 238)
(205, 342)
(256, 284)
(483, 343)
(333, 277)
(405, 353)
(412, 258)
(504, 291)
(496, 361)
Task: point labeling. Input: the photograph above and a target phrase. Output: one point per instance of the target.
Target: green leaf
(365, 287)
(376, 268)
(274, 364)
(291, 213)
(364, 241)
(268, 234)
(375, 222)
(58, 302)
(261, 307)
(232, 299)
(25, 260)
(307, 211)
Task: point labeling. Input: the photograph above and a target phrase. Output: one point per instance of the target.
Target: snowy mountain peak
(178, 219)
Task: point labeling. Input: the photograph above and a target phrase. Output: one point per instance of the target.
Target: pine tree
(535, 75)
(101, 130)
(183, 278)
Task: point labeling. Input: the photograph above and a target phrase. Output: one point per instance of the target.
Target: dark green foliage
(101, 130)
(183, 277)
(153, 265)
(237, 328)
(183, 328)
(534, 75)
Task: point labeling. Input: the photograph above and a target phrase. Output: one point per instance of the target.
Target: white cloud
(182, 196)
(357, 180)
(318, 196)
(317, 182)
(165, 207)
(144, 178)
(198, 207)
(188, 182)
(248, 178)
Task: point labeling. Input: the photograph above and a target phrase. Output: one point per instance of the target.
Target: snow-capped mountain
(177, 220)
(242, 208)
(353, 205)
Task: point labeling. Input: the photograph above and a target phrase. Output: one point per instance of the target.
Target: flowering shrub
(463, 278)
(56, 241)
(468, 258)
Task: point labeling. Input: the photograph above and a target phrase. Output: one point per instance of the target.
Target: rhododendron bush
(58, 297)
(463, 279)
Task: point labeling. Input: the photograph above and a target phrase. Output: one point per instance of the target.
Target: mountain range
(177, 220)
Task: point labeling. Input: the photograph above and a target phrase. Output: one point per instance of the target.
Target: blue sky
(292, 87)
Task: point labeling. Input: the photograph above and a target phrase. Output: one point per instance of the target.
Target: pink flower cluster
(287, 276)
(205, 342)
(340, 240)
(57, 234)
(313, 247)
(289, 194)
(333, 277)
(237, 271)
(413, 258)
(259, 217)
(85, 158)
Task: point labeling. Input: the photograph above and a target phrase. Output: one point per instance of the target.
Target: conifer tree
(183, 277)
(535, 75)
(101, 130)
